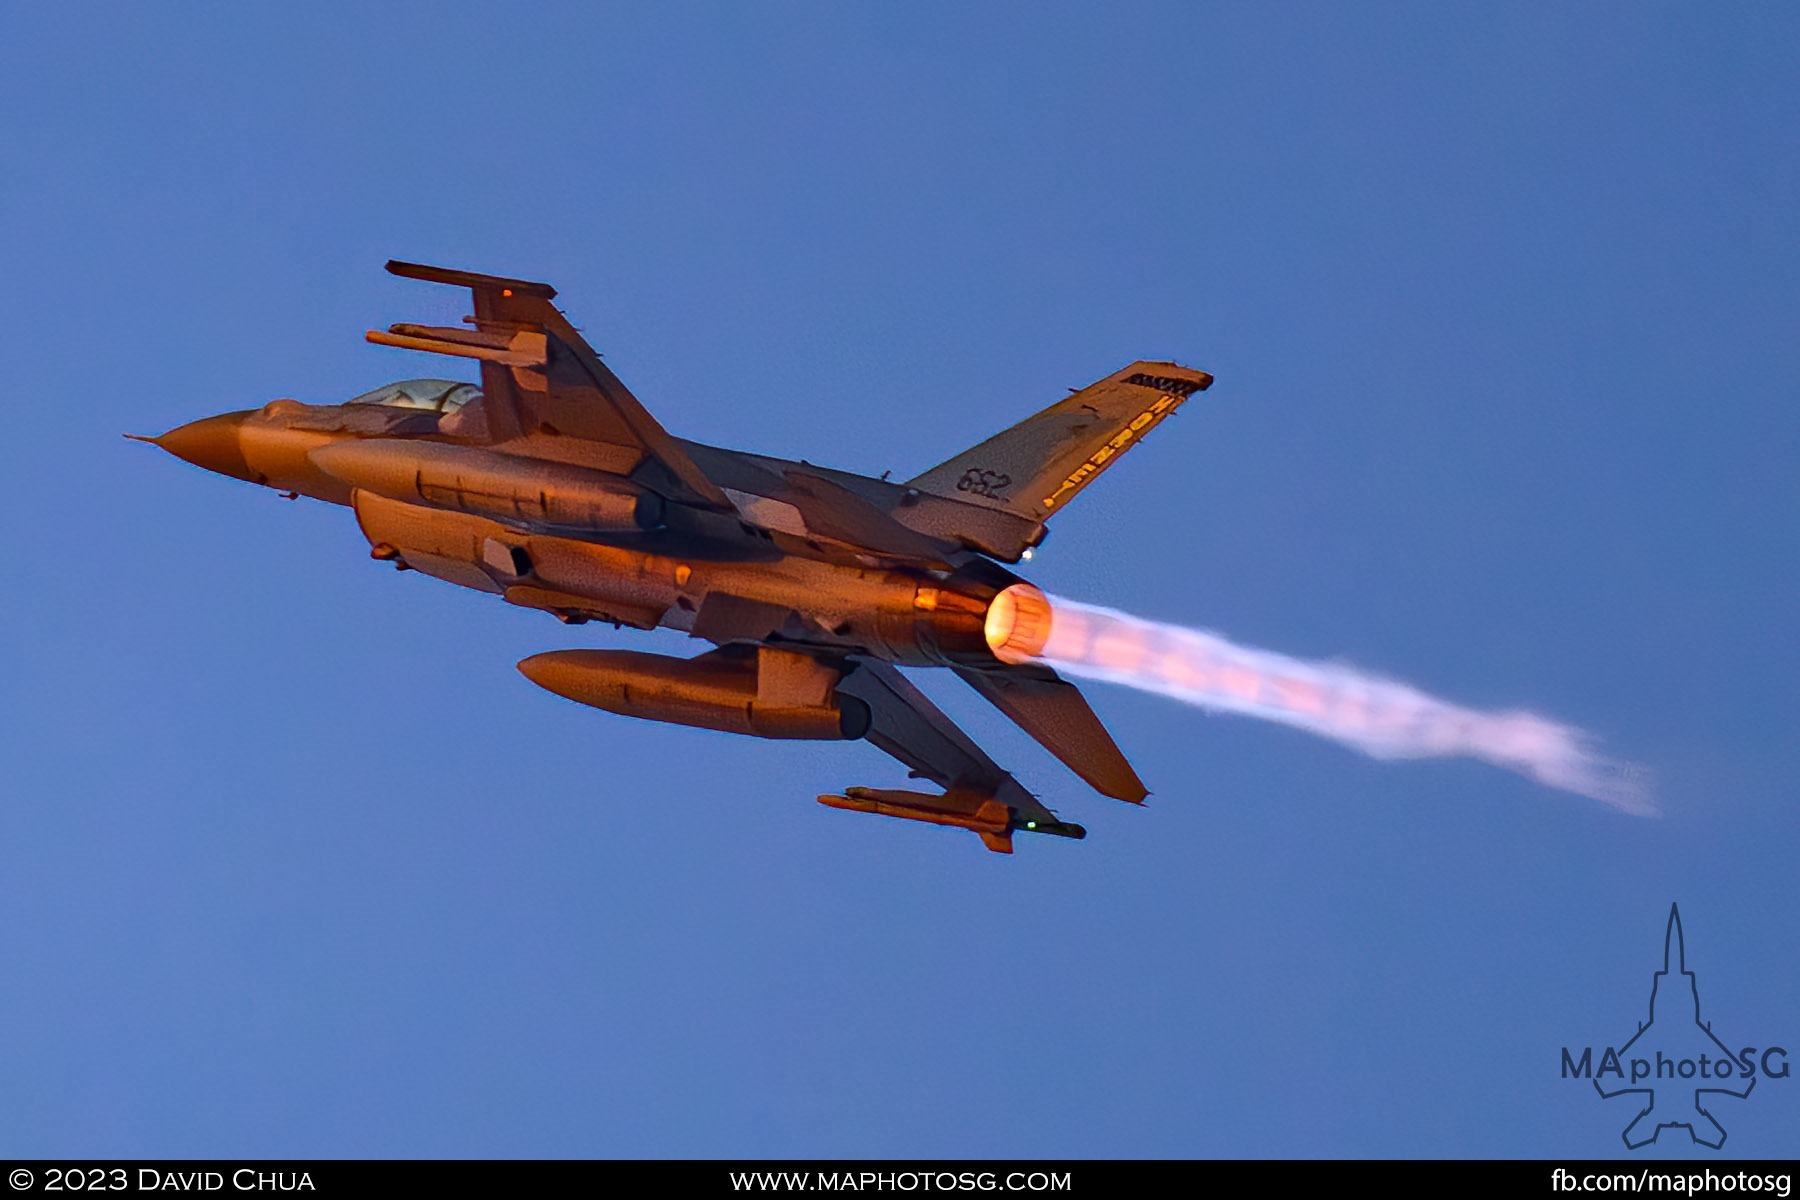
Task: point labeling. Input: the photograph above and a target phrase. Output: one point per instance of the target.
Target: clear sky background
(1502, 302)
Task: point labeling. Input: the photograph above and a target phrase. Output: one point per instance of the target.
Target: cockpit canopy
(431, 395)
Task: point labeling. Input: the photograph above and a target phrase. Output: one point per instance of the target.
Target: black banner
(44, 1177)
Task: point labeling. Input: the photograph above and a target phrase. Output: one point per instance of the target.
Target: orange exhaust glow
(1018, 624)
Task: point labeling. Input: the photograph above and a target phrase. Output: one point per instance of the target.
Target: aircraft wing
(543, 382)
(978, 793)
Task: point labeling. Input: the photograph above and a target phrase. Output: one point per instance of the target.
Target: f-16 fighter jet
(551, 487)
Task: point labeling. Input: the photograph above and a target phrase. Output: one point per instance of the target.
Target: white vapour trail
(1377, 716)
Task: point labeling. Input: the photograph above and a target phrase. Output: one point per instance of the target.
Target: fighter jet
(553, 488)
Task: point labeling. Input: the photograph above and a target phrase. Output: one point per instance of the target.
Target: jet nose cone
(213, 443)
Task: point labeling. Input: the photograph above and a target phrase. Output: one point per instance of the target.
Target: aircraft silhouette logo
(1679, 1055)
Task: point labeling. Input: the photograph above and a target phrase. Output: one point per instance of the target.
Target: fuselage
(544, 523)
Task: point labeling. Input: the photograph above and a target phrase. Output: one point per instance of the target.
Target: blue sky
(1502, 306)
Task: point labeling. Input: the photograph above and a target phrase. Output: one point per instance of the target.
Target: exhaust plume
(1377, 716)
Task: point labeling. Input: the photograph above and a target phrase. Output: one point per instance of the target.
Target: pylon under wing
(979, 794)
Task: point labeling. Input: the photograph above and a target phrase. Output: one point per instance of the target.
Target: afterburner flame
(1018, 623)
(1378, 716)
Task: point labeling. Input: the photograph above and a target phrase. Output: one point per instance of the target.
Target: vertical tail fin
(1037, 466)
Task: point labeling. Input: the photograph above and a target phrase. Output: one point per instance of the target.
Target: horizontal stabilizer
(1054, 712)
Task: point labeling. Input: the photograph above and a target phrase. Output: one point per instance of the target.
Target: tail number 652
(983, 482)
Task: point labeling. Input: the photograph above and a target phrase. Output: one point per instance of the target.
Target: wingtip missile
(994, 821)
